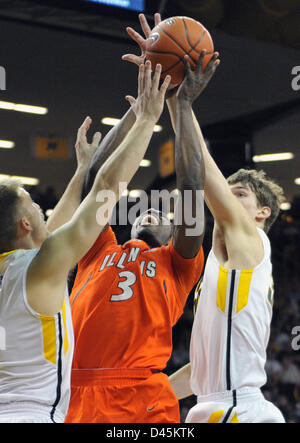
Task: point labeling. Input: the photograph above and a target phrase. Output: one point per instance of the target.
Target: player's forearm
(108, 145)
(216, 190)
(212, 168)
(172, 108)
(217, 193)
(188, 151)
(125, 161)
(189, 211)
(69, 202)
(173, 111)
(180, 382)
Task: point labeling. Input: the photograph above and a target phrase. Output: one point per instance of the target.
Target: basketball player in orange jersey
(126, 298)
(36, 346)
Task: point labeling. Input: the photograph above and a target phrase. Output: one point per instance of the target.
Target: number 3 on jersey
(125, 285)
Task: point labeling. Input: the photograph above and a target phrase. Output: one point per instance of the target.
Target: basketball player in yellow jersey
(36, 345)
(234, 307)
(232, 322)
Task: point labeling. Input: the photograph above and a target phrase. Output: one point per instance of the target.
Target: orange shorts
(121, 396)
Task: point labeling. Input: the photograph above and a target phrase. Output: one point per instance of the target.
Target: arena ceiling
(69, 60)
(275, 21)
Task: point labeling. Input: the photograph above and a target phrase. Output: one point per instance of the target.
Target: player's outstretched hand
(85, 150)
(196, 81)
(150, 101)
(141, 41)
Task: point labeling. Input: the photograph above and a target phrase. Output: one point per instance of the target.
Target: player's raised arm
(67, 245)
(117, 134)
(190, 172)
(107, 146)
(231, 218)
(70, 200)
(147, 108)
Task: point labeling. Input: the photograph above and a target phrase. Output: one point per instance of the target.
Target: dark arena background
(65, 56)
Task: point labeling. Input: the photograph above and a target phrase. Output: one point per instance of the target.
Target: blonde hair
(268, 192)
(9, 199)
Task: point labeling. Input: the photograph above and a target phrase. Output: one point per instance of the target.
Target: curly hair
(268, 192)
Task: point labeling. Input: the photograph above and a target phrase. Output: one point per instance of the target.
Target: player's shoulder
(14, 264)
(20, 258)
(263, 235)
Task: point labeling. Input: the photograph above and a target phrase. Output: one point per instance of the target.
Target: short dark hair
(9, 199)
(268, 192)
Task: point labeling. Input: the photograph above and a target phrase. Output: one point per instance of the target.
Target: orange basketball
(172, 39)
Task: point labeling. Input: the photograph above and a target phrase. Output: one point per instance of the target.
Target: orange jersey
(125, 300)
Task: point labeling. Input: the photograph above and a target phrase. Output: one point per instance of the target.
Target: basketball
(174, 38)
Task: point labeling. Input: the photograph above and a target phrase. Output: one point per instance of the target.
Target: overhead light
(170, 216)
(135, 193)
(273, 157)
(113, 121)
(110, 121)
(30, 181)
(125, 193)
(6, 144)
(285, 206)
(157, 128)
(8, 106)
(145, 163)
(31, 109)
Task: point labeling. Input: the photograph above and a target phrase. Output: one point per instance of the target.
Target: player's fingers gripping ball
(174, 38)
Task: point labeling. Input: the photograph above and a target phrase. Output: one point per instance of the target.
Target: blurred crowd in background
(283, 364)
